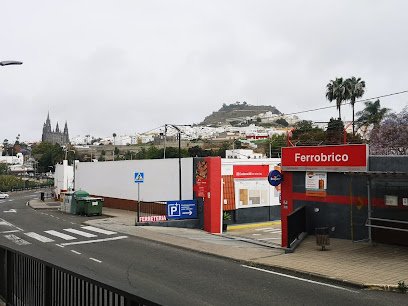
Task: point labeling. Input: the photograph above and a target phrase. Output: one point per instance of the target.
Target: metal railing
(401, 229)
(296, 224)
(25, 280)
(145, 210)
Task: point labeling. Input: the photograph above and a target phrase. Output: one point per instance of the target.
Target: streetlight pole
(179, 151)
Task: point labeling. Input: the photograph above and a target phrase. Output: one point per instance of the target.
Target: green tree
(307, 134)
(371, 115)
(282, 122)
(4, 169)
(336, 90)
(48, 155)
(274, 144)
(334, 132)
(355, 90)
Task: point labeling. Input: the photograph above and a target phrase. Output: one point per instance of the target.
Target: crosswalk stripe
(39, 237)
(98, 230)
(93, 241)
(60, 235)
(80, 233)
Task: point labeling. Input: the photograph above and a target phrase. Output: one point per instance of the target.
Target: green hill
(237, 111)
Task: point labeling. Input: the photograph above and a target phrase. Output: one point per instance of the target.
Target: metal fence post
(10, 277)
(47, 288)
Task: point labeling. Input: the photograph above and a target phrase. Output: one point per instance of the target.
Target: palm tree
(372, 114)
(114, 138)
(355, 89)
(114, 144)
(337, 91)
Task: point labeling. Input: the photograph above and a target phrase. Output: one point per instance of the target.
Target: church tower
(57, 136)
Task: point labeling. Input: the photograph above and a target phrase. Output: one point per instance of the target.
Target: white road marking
(273, 231)
(60, 235)
(264, 228)
(10, 211)
(61, 246)
(12, 231)
(80, 233)
(94, 259)
(94, 241)
(4, 222)
(16, 240)
(301, 279)
(98, 230)
(38, 237)
(256, 234)
(76, 252)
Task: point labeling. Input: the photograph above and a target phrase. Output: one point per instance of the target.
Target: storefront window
(252, 193)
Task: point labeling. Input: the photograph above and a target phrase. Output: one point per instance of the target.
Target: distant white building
(13, 160)
(243, 154)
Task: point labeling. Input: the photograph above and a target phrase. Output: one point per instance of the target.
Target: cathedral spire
(57, 128)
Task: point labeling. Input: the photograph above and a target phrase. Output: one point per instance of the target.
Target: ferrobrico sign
(348, 158)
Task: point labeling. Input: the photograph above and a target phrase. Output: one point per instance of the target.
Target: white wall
(115, 179)
(63, 177)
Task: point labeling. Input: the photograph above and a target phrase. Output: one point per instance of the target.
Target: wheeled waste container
(91, 206)
(77, 207)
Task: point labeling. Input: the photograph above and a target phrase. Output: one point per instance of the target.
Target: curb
(251, 225)
(275, 268)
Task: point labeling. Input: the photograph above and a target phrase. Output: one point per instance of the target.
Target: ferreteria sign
(348, 158)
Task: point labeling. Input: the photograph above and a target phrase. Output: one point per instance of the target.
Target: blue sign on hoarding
(184, 209)
(275, 178)
(139, 177)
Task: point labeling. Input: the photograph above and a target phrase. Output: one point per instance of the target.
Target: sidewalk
(360, 264)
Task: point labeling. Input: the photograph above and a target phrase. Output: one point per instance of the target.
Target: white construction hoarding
(115, 179)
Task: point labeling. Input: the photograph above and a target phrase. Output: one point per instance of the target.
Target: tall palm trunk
(352, 106)
(339, 106)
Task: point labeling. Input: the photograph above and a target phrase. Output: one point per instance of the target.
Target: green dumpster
(91, 206)
(77, 207)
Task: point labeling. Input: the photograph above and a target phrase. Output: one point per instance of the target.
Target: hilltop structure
(57, 136)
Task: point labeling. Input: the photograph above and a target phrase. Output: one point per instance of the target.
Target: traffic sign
(139, 177)
(184, 209)
(275, 178)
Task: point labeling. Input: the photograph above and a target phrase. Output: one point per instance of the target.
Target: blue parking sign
(184, 209)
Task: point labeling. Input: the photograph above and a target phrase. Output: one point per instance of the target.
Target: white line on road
(76, 252)
(16, 240)
(265, 228)
(80, 233)
(4, 222)
(38, 237)
(60, 235)
(300, 279)
(94, 241)
(256, 234)
(94, 259)
(61, 246)
(98, 230)
(13, 231)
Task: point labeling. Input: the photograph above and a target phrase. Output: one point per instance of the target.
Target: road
(160, 273)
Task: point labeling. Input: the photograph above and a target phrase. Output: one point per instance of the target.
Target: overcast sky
(130, 66)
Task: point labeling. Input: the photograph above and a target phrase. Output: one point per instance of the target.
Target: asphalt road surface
(160, 273)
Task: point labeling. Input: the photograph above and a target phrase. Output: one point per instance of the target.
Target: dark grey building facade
(55, 136)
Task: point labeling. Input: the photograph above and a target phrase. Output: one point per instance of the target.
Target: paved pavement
(361, 264)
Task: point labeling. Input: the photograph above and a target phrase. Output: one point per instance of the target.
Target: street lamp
(7, 63)
(176, 127)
